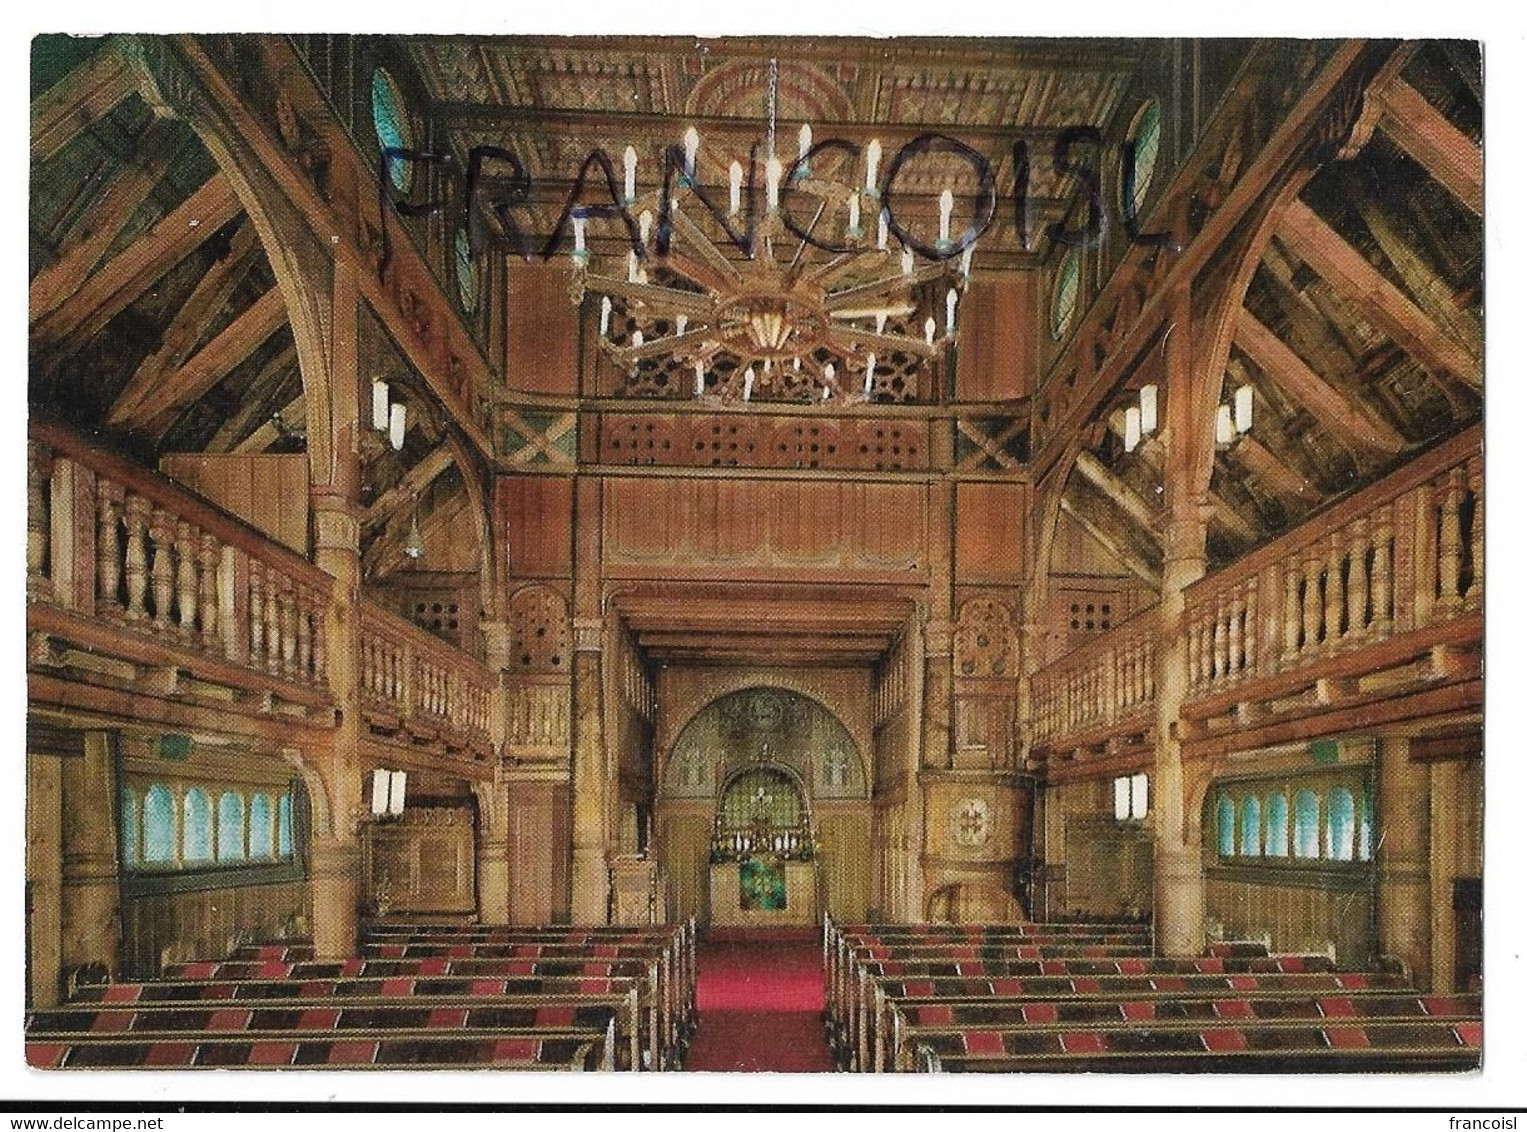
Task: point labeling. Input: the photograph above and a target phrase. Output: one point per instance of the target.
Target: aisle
(760, 1000)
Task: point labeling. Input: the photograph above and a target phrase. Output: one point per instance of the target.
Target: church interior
(918, 555)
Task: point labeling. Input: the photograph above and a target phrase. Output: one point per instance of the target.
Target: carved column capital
(588, 634)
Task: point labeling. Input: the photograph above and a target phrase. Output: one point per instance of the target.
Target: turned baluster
(256, 614)
(1291, 614)
(39, 475)
(108, 550)
(1250, 635)
(1237, 613)
(288, 628)
(185, 577)
(273, 621)
(1450, 542)
(305, 632)
(1383, 569)
(1195, 649)
(208, 557)
(1477, 532)
(162, 532)
(1335, 603)
(136, 515)
(1221, 641)
(1312, 607)
(1357, 580)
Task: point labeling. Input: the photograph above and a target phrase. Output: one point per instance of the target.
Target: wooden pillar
(1402, 856)
(44, 873)
(591, 786)
(1445, 849)
(1179, 876)
(90, 929)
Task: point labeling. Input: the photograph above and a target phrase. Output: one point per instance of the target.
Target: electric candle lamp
(580, 236)
(829, 373)
(606, 307)
(699, 379)
(630, 160)
(853, 214)
(950, 299)
(379, 406)
(872, 167)
(880, 319)
(805, 146)
(637, 339)
(631, 267)
(681, 323)
(1147, 409)
(747, 384)
(945, 213)
(796, 365)
(1243, 403)
(883, 233)
(1131, 428)
(644, 225)
(826, 392)
(773, 171)
(929, 329)
(869, 374)
(1224, 426)
(734, 175)
(398, 426)
(691, 150)
(906, 261)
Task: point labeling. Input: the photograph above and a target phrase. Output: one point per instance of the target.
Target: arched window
(230, 826)
(1306, 825)
(1068, 281)
(1225, 826)
(259, 827)
(284, 826)
(1146, 136)
(158, 826)
(389, 115)
(129, 828)
(1277, 824)
(1340, 823)
(1251, 826)
(196, 826)
(1364, 827)
(466, 271)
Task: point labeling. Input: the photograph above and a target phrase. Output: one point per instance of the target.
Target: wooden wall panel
(1295, 917)
(269, 492)
(989, 532)
(683, 848)
(540, 847)
(654, 526)
(997, 360)
(535, 513)
(847, 858)
(541, 342)
(206, 924)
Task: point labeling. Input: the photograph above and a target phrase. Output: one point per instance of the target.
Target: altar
(760, 893)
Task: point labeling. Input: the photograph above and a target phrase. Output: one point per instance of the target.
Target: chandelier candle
(630, 160)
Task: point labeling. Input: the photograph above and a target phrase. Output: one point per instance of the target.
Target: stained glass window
(1251, 826)
(1364, 827)
(196, 826)
(1147, 143)
(1306, 825)
(1340, 823)
(284, 827)
(158, 826)
(230, 826)
(1225, 826)
(389, 115)
(1277, 824)
(129, 801)
(260, 826)
(1068, 282)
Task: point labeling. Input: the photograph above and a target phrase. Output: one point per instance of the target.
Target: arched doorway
(764, 788)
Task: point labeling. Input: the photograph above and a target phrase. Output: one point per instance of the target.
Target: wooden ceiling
(762, 625)
(553, 101)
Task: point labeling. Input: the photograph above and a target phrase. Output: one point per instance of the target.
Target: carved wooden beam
(1445, 151)
(1118, 492)
(110, 207)
(1384, 304)
(411, 484)
(78, 100)
(212, 362)
(132, 271)
(1328, 404)
(1274, 473)
(1131, 561)
(191, 321)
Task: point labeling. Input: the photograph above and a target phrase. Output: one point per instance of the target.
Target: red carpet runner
(760, 998)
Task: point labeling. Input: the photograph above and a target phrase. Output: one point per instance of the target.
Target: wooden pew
(912, 1024)
(1436, 1046)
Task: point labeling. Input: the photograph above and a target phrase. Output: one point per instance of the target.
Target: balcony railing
(1399, 561)
(1103, 685)
(112, 546)
(412, 681)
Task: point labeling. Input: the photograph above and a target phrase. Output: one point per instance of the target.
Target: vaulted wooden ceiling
(553, 101)
(1361, 332)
